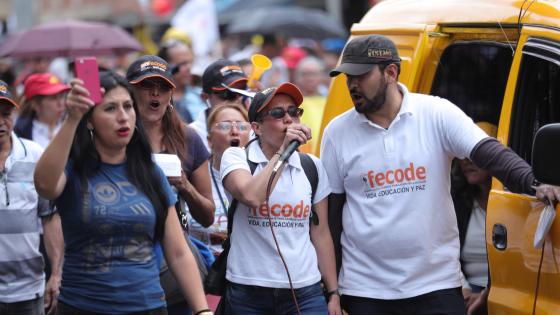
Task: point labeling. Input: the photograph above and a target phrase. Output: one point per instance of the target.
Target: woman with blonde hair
(228, 126)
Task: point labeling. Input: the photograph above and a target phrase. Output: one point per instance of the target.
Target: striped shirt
(21, 263)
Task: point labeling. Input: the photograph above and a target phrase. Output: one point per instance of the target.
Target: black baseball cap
(362, 53)
(262, 98)
(149, 66)
(222, 72)
(6, 95)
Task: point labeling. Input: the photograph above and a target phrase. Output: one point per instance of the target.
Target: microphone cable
(268, 192)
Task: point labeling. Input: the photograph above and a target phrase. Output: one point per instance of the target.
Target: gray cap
(362, 53)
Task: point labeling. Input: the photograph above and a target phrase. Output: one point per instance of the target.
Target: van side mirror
(546, 154)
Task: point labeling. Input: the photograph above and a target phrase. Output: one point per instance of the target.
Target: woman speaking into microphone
(285, 243)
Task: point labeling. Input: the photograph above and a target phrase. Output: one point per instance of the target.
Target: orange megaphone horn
(261, 63)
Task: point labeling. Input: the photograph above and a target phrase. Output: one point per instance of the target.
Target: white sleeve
(233, 158)
(331, 164)
(323, 187)
(464, 283)
(460, 133)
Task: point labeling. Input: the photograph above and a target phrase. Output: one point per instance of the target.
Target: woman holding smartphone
(258, 283)
(114, 203)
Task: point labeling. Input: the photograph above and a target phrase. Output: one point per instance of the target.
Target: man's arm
(510, 169)
(336, 203)
(504, 164)
(54, 244)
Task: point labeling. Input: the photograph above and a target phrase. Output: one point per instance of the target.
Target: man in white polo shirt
(388, 161)
(22, 280)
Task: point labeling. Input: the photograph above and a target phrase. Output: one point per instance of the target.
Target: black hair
(461, 189)
(163, 53)
(8, 76)
(384, 65)
(463, 194)
(270, 39)
(140, 168)
(244, 62)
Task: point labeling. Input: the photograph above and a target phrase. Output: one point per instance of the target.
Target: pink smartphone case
(86, 69)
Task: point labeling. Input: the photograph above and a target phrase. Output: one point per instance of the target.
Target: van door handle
(499, 236)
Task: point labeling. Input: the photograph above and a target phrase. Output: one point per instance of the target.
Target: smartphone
(87, 70)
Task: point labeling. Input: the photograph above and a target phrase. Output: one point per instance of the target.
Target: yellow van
(499, 60)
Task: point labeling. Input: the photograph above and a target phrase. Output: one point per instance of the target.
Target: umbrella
(290, 21)
(69, 39)
(229, 9)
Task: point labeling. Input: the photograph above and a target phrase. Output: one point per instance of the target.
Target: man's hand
(52, 290)
(466, 294)
(479, 302)
(334, 305)
(548, 192)
(473, 297)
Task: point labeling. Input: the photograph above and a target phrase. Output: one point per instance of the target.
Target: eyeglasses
(225, 126)
(150, 85)
(280, 112)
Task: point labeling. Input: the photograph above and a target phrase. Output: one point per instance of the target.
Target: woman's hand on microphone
(298, 132)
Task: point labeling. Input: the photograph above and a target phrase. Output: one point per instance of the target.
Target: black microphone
(292, 147)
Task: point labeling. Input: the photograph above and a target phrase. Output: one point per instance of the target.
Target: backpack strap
(310, 170)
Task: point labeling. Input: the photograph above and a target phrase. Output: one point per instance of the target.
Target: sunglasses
(150, 85)
(226, 126)
(280, 112)
(176, 68)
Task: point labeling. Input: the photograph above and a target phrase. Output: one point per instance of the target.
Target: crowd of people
(373, 226)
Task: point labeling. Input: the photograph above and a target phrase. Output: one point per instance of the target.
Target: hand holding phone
(86, 69)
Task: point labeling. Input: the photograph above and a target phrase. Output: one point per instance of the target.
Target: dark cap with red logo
(264, 97)
(362, 53)
(149, 66)
(222, 72)
(6, 95)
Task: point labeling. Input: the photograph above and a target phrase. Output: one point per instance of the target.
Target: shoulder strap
(310, 170)
(234, 202)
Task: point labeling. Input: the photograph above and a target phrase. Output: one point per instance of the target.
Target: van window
(537, 95)
(473, 76)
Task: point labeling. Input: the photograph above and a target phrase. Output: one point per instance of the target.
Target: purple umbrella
(69, 39)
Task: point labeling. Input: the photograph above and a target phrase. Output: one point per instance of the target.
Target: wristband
(204, 312)
(331, 293)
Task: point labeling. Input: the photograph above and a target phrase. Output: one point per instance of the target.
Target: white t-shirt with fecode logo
(400, 236)
(253, 259)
